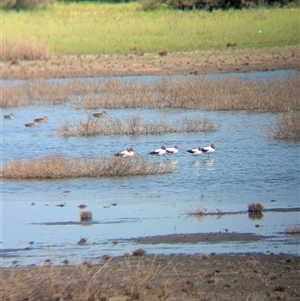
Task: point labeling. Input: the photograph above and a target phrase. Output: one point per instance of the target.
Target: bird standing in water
(128, 152)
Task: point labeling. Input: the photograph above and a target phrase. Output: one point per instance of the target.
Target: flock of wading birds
(128, 152)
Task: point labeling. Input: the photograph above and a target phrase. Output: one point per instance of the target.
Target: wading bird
(32, 124)
(208, 149)
(100, 114)
(128, 152)
(195, 151)
(172, 150)
(159, 152)
(41, 119)
(10, 116)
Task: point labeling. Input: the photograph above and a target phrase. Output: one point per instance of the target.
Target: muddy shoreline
(137, 63)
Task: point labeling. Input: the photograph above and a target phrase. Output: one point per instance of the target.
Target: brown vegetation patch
(193, 93)
(287, 127)
(134, 125)
(293, 230)
(148, 278)
(255, 207)
(86, 216)
(57, 167)
(23, 49)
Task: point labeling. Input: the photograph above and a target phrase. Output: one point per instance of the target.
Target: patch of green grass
(91, 28)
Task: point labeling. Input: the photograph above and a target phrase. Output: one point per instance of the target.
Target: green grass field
(119, 28)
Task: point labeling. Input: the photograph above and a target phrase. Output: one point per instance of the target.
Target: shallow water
(247, 167)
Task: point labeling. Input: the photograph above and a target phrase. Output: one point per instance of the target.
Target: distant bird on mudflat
(159, 152)
(208, 149)
(10, 116)
(99, 114)
(195, 151)
(41, 119)
(128, 152)
(172, 150)
(32, 124)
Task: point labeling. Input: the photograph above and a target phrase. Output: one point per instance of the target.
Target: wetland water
(247, 167)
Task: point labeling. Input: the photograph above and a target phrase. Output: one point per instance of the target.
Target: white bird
(208, 149)
(195, 151)
(128, 152)
(172, 150)
(159, 152)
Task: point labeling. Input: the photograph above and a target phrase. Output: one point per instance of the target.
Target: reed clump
(23, 49)
(134, 125)
(255, 207)
(85, 216)
(286, 127)
(201, 93)
(58, 167)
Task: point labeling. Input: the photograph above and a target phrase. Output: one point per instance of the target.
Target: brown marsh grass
(86, 216)
(58, 167)
(293, 230)
(23, 49)
(255, 207)
(134, 125)
(193, 93)
(287, 127)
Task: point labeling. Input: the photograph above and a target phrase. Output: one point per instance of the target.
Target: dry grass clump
(287, 127)
(199, 212)
(134, 125)
(85, 216)
(293, 230)
(23, 49)
(58, 167)
(139, 252)
(255, 207)
(34, 92)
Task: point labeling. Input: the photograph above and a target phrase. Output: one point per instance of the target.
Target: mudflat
(173, 278)
(138, 63)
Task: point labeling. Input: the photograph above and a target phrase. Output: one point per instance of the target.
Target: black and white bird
(172, 150)
(195, 151)
(128, 152)
(159, 152)
(208, 149)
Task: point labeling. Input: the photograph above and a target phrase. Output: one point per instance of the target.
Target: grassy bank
(106, 28)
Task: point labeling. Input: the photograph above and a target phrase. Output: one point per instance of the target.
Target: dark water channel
(246, 167)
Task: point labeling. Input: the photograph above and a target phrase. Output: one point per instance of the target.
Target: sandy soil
(198, 62)
(174, 278)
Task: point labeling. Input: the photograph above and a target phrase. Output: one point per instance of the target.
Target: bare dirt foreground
(138, 63)
(174, 278)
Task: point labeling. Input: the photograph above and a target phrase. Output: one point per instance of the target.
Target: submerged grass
(58, 167)
(134, 125)
(194, 93)
(120, 28)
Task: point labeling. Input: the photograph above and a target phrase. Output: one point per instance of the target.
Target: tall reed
(58, 167)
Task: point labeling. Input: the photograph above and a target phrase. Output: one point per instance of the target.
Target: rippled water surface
(247, 167)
